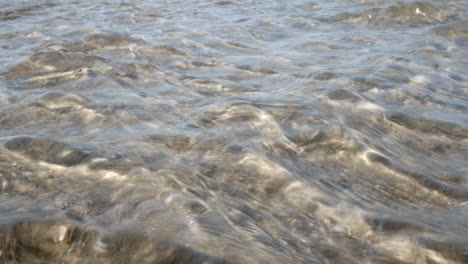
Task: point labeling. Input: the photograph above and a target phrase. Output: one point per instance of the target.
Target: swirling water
(234, 131)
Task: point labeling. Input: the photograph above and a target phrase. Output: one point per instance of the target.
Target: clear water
(234, 131)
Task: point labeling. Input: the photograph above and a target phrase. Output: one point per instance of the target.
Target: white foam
(111, 175)
(100, 246)
(369, 106)
(62, 233)
(419, 12)
(419, 79)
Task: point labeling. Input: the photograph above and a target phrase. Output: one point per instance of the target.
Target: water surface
(234, 131)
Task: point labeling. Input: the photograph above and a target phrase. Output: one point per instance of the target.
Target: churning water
(234, 131)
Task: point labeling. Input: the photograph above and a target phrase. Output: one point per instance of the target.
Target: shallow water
(234, 131)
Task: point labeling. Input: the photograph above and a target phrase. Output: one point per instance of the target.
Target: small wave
(453, 30)
(48, 150)
(14, 13)
(415, 14)
(65, 241)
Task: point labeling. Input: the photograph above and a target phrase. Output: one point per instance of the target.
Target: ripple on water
(414, 14)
